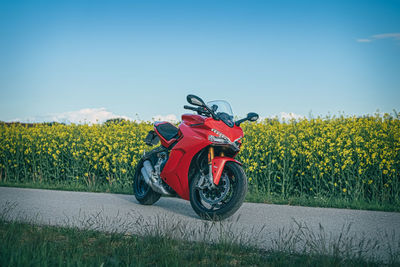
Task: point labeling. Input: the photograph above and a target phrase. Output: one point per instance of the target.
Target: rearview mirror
(252, 116)
(195, 100)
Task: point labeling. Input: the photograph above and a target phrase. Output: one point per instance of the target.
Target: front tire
(221, 202)
(142, 191)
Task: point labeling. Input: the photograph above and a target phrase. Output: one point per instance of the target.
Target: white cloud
(87, 115)
(394, 36)
(364, 40)
(284, 116)
(170, 118)
(100, 115)
(288, 116)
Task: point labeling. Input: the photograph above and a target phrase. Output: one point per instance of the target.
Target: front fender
(218, 164)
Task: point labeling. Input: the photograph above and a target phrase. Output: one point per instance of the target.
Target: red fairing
(175, 172)
(232, 133)
(194, 131)
(190, 119)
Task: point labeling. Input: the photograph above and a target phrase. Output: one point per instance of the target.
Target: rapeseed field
(356, 158)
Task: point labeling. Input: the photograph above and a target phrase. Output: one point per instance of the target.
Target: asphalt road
(264, 225)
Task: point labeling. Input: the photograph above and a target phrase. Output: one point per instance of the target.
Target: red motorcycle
(196, 161)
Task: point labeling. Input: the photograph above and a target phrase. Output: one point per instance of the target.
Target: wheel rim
(214, 200)
(216, 195)
(141, 186)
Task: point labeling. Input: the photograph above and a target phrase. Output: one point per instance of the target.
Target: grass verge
(30, 245)
(252, 196)
(116, 189)
(323, 202)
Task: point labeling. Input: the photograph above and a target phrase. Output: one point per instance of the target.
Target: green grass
(67, 186)
(324, 202)
(30, 245)
(252, 196)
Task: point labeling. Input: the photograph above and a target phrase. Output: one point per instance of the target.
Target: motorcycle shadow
(177, 206)
(171, 205)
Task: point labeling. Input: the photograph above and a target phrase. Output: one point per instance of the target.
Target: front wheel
(222, 201)
(142, 191)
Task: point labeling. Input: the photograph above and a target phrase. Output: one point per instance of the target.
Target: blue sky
(144, 57)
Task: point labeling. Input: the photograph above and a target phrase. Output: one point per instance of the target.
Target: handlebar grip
(189, 107)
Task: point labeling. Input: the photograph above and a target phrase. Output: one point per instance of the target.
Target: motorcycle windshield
(223, 111)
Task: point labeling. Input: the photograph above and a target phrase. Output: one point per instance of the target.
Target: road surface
(264, 225)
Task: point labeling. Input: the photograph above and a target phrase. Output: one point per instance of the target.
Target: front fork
(210, 160)
(211, 179)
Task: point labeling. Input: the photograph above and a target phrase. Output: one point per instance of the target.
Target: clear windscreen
(223, 110)
(220, 106)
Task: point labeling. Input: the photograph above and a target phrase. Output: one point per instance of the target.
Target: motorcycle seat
(167, 130)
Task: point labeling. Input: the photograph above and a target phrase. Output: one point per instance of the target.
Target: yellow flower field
(355, 158)
(347, 157)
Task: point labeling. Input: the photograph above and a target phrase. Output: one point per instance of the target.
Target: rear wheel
(224, 200)
(143, 192)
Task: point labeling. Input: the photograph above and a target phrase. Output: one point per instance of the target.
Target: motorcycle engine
(162, 158)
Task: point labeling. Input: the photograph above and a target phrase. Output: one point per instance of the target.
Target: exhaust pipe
(147, 172)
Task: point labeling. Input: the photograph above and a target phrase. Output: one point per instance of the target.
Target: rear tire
(142, 191)
(231, 202)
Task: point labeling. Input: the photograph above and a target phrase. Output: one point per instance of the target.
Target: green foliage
(348, 158)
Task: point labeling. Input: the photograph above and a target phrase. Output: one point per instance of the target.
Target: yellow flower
(370, 181)
(344, 190)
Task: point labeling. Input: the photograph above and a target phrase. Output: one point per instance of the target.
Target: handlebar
(199, 110)
(189, 107)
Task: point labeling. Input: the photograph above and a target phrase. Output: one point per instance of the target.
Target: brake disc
(215, 195)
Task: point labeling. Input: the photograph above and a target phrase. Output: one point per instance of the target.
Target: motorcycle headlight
(222, 139)
(218, 140)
